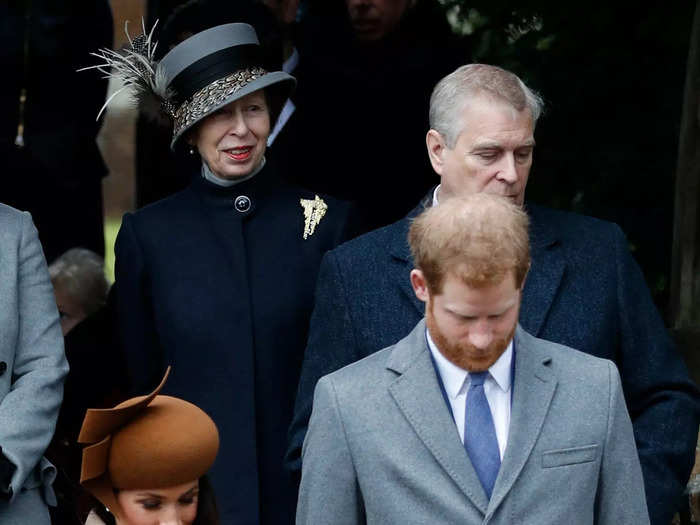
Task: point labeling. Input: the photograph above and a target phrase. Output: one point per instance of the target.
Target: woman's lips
(239, 154)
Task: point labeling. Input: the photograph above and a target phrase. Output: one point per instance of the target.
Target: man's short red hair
(479, 238)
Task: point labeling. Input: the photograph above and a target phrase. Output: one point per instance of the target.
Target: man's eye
(487, 155)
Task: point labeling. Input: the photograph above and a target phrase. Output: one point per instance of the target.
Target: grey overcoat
(32, 368)
(382, 446)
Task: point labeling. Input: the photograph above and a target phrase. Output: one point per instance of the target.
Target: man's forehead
(496, 120)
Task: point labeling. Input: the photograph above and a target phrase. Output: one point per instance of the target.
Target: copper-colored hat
(147, 442)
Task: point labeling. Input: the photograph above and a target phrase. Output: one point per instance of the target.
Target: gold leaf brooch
(314, 210)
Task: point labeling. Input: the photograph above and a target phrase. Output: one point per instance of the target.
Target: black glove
(7, 469)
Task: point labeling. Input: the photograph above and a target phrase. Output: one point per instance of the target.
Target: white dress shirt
(496, 387)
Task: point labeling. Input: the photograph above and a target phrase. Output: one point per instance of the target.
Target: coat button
(3, 367)
(242, 203)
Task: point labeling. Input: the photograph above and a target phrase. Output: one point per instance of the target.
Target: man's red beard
(465, 355)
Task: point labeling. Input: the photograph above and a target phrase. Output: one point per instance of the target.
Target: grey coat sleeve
(29, 410)
(620, 498)
(329, 493)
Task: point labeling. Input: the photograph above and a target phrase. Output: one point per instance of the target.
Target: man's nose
(507, 172)
(481, 335)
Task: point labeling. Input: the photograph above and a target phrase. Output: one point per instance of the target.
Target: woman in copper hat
(147, 459)
(219, 278)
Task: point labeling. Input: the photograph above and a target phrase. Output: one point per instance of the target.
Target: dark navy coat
(584, 290)
(224, 295)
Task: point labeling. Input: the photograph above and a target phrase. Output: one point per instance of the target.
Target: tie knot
(478, 378)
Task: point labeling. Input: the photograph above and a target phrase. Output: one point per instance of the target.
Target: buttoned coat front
(218, 282)
(32, 368)
(382, 446)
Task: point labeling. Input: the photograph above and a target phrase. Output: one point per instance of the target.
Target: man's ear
(436, 149)
(419, 284)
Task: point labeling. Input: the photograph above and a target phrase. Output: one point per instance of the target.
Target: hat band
(212, 95)
(212, 67)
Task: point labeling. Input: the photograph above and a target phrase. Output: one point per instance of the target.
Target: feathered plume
(137, 70)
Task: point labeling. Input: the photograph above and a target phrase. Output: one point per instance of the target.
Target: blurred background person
(365, 66)
(96, 376)
(52, 166)
(80, 286)
(147, 461)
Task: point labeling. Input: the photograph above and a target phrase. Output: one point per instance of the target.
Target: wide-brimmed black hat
(212, 69)
(198, 76)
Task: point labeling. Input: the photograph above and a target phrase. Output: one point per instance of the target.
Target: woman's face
(233, 139)
(171, 506)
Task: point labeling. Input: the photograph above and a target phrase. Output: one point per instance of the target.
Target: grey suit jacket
(382, 447)
(32, 367)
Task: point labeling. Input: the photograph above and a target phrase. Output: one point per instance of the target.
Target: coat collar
(533, 388)
(401, 252)
(417, 393)
(546, 271)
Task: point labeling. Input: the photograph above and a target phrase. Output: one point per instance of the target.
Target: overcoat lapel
(401, 254)
(545, 276)
(533, 388)
(417, 394)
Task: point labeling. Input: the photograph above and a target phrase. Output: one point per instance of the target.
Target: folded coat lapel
(418, 396)
(534, 385)
(544, 278)
(402, 260)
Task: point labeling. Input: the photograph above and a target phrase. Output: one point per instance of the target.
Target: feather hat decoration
(137, 70)
(195, 78)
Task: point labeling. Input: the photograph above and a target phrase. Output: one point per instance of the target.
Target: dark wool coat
(224, 295)
(584, 290)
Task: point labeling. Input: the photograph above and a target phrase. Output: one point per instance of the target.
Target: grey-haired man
(584, 289)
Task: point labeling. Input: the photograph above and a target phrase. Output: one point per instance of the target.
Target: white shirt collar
(454, 378)
(435, 195)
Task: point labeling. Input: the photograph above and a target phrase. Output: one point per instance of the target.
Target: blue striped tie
(480, 439)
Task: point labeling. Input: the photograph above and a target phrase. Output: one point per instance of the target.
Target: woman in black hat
(219, 278)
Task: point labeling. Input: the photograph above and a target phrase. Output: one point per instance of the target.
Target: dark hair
(207, 513)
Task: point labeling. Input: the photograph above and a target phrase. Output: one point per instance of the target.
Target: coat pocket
(569, 456)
